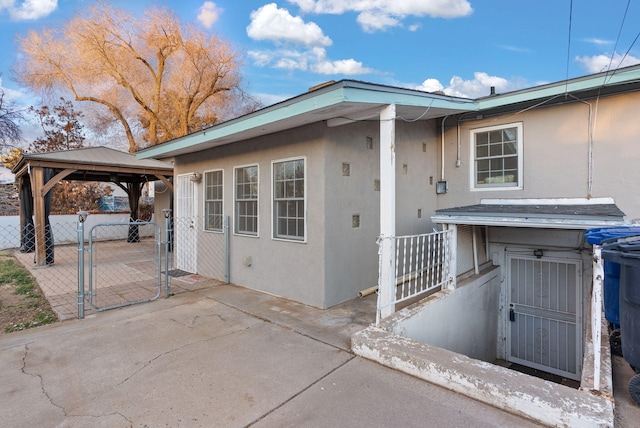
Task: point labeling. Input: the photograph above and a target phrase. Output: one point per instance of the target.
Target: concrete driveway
(218, 355)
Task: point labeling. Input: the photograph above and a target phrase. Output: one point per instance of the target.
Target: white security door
(544, 314)
(185, 225)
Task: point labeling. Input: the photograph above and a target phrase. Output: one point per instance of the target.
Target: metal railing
(422, 264)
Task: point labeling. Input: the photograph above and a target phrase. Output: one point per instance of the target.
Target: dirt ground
(22, 303)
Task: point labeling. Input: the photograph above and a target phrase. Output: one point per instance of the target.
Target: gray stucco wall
(556, 153)
(337, 260)
(283, 268)
(464, 320)
(351, 253)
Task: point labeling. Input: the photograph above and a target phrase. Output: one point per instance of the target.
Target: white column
(387, 286)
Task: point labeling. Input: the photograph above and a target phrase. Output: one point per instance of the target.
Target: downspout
(590, 151)
(442, 148)
(458, 162)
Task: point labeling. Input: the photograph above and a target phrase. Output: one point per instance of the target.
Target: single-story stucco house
(312, 184)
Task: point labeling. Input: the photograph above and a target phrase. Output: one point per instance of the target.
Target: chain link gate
(124, 265)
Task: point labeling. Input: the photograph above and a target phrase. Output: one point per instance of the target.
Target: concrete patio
(208, 311)
(218, 355)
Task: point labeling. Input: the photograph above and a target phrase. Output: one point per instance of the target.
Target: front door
(544, 314)
(185, 225)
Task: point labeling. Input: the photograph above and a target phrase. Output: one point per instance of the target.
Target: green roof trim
(327, 97)
(580, 84)
(321, 103)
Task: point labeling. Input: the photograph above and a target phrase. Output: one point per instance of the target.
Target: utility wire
(615, 47)
(569, 44)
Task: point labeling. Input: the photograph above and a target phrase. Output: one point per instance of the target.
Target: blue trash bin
(626, 252)
(601, 236)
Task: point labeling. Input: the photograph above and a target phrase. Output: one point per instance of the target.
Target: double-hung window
(246, 194)
(289, 199)
(213, 200)
(497, 157)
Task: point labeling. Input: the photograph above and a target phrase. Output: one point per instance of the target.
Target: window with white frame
(246, 194)
(497, 157)
(213, 200)
(289, 200)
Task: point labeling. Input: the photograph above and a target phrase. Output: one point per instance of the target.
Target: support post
(227, 262)
(387, 286)
(82, 216)
(167, 235)
(37, 183)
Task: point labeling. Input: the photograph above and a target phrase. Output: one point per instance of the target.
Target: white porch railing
(422, 263)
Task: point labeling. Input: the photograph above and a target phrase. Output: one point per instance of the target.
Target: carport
(36, 174)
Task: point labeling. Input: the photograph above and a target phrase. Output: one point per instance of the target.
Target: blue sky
(458, 46)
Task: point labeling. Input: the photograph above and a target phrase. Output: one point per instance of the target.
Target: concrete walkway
(218, 355)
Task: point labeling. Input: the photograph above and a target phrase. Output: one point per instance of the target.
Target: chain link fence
(119, 268)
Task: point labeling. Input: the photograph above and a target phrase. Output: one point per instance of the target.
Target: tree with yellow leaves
(157, 78)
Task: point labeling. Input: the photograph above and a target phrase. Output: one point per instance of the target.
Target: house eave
(346, 100)
(586, 86)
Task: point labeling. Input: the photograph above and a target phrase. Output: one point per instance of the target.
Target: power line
(615, 47)
(569, 41)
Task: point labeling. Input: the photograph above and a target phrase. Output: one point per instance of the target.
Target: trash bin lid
(601, 235)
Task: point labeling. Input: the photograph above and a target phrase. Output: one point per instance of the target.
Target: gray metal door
(545, 317)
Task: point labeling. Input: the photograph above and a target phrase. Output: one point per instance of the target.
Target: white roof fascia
(551, 201)
(542, 223)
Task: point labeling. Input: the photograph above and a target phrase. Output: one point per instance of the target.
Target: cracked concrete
(217, 356)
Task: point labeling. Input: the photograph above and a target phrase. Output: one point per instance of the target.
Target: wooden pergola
(40, 172)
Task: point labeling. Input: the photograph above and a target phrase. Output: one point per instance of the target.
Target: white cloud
(479, 86)
(313, 60)
(600, 63)
(430, 85)
(279, 26)
(209, 14)
(260, 58)
(513, 48)
(382, 14)
(11, 95)
(372, 21)
(348, 67)
(598, 42)
(28, 10)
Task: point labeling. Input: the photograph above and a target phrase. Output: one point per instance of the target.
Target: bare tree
(9, 117)
(61, 127)
(150, 73)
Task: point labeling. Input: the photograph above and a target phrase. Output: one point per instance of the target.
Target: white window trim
(204, 199)
(472, 156)
(273, 220)
(248, 235)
